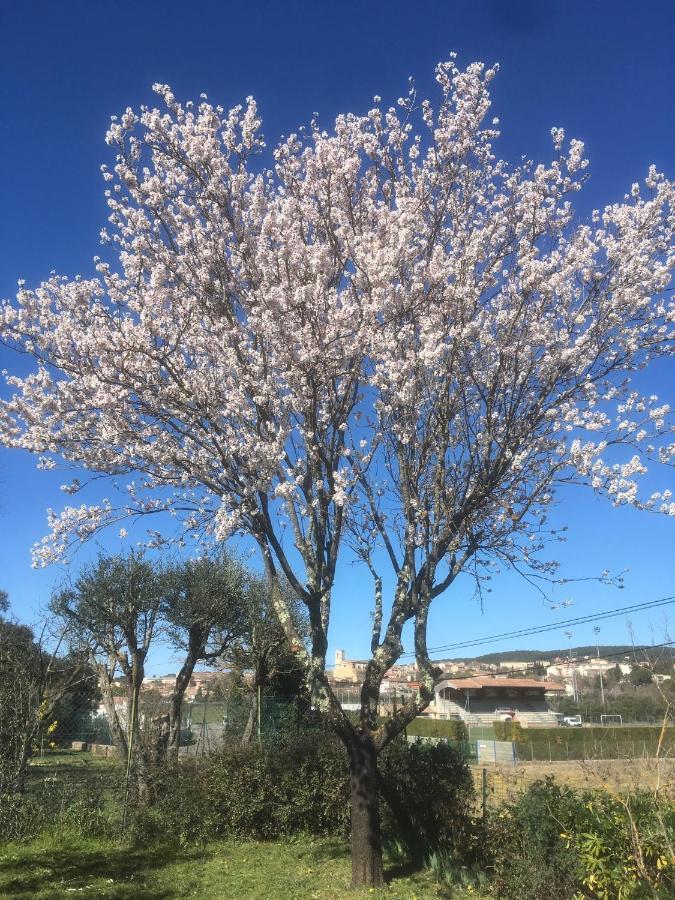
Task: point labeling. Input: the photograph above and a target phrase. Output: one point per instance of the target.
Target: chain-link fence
(75, 767)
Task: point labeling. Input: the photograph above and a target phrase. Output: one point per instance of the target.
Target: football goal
(611, 720)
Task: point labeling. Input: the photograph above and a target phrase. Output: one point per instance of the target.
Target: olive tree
(113, 607)
(204, 613)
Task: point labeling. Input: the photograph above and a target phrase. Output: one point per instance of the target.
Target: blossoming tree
(389, 344)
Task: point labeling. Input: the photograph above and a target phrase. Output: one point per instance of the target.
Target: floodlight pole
(574, 671)
(596, 632)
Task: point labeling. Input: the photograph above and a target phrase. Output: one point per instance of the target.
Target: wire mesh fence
(75, 768)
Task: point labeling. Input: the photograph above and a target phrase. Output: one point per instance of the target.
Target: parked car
(571, 721)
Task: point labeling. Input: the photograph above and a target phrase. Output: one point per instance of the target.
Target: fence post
(531, 751)
(484, 791)
(494, 751)
(550, 758)
(567, 750)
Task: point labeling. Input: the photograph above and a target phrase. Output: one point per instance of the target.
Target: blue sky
(602, 70)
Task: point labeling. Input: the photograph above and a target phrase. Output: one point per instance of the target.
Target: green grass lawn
(64, 768)
(69, 761)
(63, 866)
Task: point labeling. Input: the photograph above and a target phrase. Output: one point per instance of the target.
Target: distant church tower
(339, 657)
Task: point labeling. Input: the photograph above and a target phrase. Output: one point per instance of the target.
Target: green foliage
(635, 702)
(530, 861)
(300, 784)
(640, 675)
(507, 731)
(253, 792)
(601, 742)
(624, 846)
(555, 843)
(429, 795)
(263, 649)
(447, 871)
(451, 729)
(75, 709)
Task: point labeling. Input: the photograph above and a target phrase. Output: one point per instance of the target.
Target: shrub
(288, 786)
(508, 731)
(429, 798)
(625, 846)
(301, 785)
(555, 843)
(530, 861)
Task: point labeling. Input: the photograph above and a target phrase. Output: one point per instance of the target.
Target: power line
(540, 629)
(571, 662)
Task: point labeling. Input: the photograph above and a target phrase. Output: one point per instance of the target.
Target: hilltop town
(514, 678)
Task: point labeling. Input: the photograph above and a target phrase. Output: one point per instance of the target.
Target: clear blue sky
(602, 70)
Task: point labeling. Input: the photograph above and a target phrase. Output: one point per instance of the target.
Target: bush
(301, 785)
(289, 786)
(555, 843)
(429, 796)
(625, 846)
(530, 861)
(508, 731)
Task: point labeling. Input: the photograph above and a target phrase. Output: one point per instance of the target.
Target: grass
(70, 760)
(60, 866)
(68, 767)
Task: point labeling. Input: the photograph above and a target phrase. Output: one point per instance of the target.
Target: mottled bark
(366, 839)
(176, 702)
(247, 736)
(19, 780)
(117, 732)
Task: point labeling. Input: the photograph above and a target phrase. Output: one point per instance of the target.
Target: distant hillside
(613, 651)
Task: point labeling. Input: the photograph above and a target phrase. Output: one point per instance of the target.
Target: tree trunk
(367, 868)
(138, 755)
(247, 736)
(19, 780)
(196, 642)
(175, 722)
(117, 732)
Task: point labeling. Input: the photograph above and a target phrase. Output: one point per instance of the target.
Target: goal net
(611, 720)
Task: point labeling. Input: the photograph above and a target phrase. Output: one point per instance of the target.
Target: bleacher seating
(530, 712)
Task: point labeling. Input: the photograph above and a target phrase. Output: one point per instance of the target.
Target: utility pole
(596, 632)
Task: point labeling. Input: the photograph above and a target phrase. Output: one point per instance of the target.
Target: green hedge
(609, 742)
(507, 731)
(451, 729)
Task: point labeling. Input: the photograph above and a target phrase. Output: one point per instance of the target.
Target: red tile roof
(485, 681)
